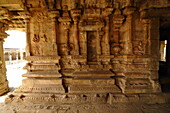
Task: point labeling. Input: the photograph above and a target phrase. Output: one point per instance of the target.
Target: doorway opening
(14, 53)
(164, 61)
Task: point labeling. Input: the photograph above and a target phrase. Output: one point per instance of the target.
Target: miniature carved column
(146, 23)
(65, 41)
(75, 15)
(106, 51)
(54, 15)
(129, 20)
(83, 44)
(3, 80)
(105, 45)
(117, 22)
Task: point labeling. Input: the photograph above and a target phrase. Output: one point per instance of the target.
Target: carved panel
(41, 28)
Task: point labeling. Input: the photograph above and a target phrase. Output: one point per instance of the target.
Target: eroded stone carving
(4, 23)
(88, 47)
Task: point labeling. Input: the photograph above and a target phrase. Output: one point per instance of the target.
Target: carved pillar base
(28, 99)
(4, 87)
(42, 76)
(93, 81)
(136, 75)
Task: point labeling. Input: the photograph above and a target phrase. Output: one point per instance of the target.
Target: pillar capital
(5, 17)
(4, 24)
(5, 14)
(54, 15)
(25, 14)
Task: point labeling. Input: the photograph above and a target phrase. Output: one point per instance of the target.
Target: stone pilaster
(65, 41)
(76, 16)
(117, 23)
(129, 20)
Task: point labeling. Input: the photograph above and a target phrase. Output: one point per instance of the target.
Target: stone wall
(91, 47)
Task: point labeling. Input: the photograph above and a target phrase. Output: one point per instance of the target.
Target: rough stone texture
(87, 108)
(3, 26)
(89, 50)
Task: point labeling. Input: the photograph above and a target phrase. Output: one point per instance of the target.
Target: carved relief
(41, 30)
(98, 41)
(139, 48)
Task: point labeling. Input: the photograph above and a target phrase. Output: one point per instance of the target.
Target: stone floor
(86, 108)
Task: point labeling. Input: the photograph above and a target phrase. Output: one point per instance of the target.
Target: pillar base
(4, 88)
(84, 98)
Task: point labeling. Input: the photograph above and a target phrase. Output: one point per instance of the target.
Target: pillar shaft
(3, 80)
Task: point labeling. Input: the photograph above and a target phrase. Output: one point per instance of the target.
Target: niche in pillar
(91, 46)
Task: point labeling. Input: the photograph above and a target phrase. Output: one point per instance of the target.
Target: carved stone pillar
(54, 15)
(75, 15)
(146, 23)
(117, 22)
(3, 80)
(65, 41)
(83, 45)
(129, 22)
(106, 47)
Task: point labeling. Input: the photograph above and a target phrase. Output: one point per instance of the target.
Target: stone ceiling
(15, 6)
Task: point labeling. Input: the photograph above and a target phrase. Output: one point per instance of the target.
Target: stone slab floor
(86, 108)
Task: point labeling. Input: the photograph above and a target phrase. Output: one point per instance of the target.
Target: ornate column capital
(65, 20)
(25, 14)
(5, 14)
(118, 18)
(145, 21)
(107, 11)
(4, 24)
(75, 13)
(129, 10)
(54, 15)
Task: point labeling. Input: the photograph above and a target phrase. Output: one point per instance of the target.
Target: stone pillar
(10, 56)
(75, 15)
(105, 40)
(106, 51)
(83, 43)
(17, 55)
(129, 22)
(162, 50)
(65, 41)
(54, 15)
(21, 54)
(146, 23)
(117, 22)
(3, 80)
(153, 64)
